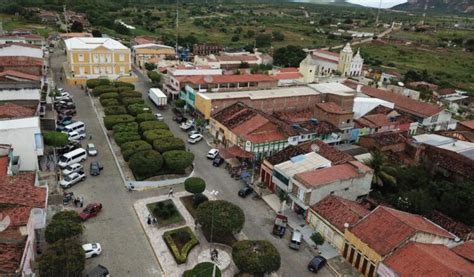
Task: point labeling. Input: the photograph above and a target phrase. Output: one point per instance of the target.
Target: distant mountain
(444, 6)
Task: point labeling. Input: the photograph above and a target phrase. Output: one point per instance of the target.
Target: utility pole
(424, 13)
(378, 15)
(177, 28)
(66, 19)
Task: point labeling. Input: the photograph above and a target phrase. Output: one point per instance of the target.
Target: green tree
(235, 38)
(383, 171)
(177, 160)
(204, 269)
(194, 185)
(150, 66)
(179, 103)
(278, 36)
(62, 258)
(62, 229)
(220, 216)
(469, 44)
(146, 164)
(55, 139)
(257, 257)
(121, 29)
(317, 238)
(76, 26)
(154, 76)
(68, 215)
(263, 40)
(289, 56)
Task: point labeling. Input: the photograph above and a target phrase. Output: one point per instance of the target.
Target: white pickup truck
(72, 179)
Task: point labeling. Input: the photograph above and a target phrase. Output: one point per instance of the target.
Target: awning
(233, 162)
(235, 151)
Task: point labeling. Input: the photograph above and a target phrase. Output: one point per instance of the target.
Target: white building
(322, 63)
(176, 77)
(21, 49)
(20, 127)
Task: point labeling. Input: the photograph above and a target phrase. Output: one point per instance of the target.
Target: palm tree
(383, 170)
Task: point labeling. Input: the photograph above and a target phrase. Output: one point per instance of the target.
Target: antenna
(315, 148)
(424, 13)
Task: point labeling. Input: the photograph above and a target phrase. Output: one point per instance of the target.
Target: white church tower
(345, 59)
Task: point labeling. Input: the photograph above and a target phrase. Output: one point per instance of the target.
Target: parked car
(186, 126)
(72, 145)
(195, 138)
(62, 98)
(91, 149)
(66, 105)
(176, 112)
(73, 168)
(60, 125)
(180, 119)
(64, 117)
(296, 238)
(245, 191)
(91, 210)
(74, 135)
(217, 161)
(98, 271)
(159, 116)
(213, 153)
(72, 179)
(92, 250)
(316, 263)
(193, 132)
(95, 168)
(67, 112)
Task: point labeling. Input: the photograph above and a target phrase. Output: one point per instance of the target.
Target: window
(357, 260)
(434, 118)
(81, 57)
(122, 69)
(122, 57)
(96, 58)
(280, 177)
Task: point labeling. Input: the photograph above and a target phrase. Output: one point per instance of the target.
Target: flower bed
(180, 242)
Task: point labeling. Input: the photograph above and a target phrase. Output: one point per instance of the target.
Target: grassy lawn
(14, 22)
(165, 219)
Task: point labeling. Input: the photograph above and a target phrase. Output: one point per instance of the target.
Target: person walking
(170, 193)
(82, 201)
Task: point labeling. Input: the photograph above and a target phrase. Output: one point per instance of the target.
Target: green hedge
(97, 82)
(144, 117)
(130, 93)
(132, 147)
(124, 89)
(103, 89)
(168, 143)
(180, 256)
(152, 125)
(152, 135)
(176, 161)
(123, 84)
(109, 95)
(121, 138)
(126, 127)
(109, 102)
(204, 269)
(138, 108)
(132, 100)
(145, 164)
(111, 120)
(114, 110)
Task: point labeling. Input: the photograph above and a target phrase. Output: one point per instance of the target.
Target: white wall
(20, 133)
(441, 123)
(20, 94)
(331, 234)
(363, 105)
(17, 50)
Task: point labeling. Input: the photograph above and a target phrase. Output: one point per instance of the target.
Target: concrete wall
(20, 133)
(20, 94)
(329, 232)
(440, 123)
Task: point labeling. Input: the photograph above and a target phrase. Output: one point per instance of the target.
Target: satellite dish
(4, 222)
(315, 148)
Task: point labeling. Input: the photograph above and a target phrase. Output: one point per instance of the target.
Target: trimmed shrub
(121, 138)
(317, 238)
(257, 257)
(144, 117)
(103, 89)
(168, 143)
(123, 84)
(111, 120)
(132, 100)
(109, 95)
(177, 161)
(152, 125)
(130, 93)
(97, 82)
(198, 199)
(180, 256)
(132, 147)
(126, 127)
(205, 269)
(138, 108)
(194, 185)
(109, 102)
(114, 110)
(145, 164)
(124, 89)
(152, 135)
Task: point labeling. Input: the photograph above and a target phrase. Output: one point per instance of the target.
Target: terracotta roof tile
(20, 61)
(20, 44)
(20, 74)
(420, 259)
(18, 215)
(3, 166)
(10, 110)
(338, 211)
(446, 91)
(20, 190)
(224, 79)
(388, 138)
(385, 229)
(288, 69)
(331, 107)
(323, 176)
(465, 250)
(288, 76)
(232, 58)
(467, 123)
(10, 257)
(403, 103)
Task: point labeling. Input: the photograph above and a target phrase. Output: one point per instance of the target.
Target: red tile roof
(236, 58)
(3, 166)
(288, 76)
(144, 40)
(20, 61)
(338, 211)
(18, 215)
(20, 190)
(10, 257)
(446, 91)
(467, 123)
(19, 74)
(327, 52)
(385, 229)
(403, 103)
(224, 79)
(323, 176)
(420, 259)
(10, 110)
(288, 69)
(327, 151)
(465, 250)
(268, 136)
(331, 107)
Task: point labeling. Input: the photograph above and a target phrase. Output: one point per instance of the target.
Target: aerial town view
(209, 138)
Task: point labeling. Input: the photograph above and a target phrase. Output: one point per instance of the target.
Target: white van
(72, 157)
(296, 238)
(76, 126)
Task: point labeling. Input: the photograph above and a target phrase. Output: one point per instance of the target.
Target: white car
(91, 149)
(195, 138)
(72, 179)
(76, 135)
(92, 249)
(186, 126)
(159, 116)
(212, 154)
(64, 94)
(72, 168)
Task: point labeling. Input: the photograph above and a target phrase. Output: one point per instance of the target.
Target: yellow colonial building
(144, 52)
(90, 58)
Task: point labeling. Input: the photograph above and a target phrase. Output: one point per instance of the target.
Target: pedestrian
(170, 193)
(155, 221)
(148, 220)
(75, 201)
(82, 201)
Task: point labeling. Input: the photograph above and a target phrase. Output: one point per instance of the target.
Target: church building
(322, 63)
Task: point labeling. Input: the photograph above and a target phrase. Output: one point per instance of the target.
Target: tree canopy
(65, 225)
(256, 257)
(62, 258)
(55, 139)
(224, 218)
(289, 56)
(194, 185)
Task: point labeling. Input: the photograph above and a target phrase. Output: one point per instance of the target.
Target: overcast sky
(375, 3)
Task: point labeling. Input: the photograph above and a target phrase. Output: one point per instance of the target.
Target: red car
(91, 210)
